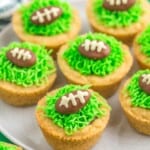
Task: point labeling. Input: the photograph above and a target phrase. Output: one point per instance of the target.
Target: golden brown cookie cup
(140, 57)
(83, 139)
(51, 42)
(18, 148)
(107, 85)
(24, 96)
(125, 34)
(139, 118)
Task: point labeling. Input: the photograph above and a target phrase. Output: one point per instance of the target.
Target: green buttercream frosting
(60, 25)
(139, 98)
(73, 122)
(87, 66)
(5, 146)
(144, 41)
(30, 76)
(117, 18)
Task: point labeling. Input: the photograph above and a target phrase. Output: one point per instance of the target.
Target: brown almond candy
(21, 57)
(144, 82)
(46, 15)
(118, 5)
(72, 102)
(94, 49)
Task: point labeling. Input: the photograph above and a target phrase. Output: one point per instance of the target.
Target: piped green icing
(73, 122)
(139, 98)
(60, 25)
(5, 146)
(144, 41)
(34, 75)
(100, 67)
(117, 18)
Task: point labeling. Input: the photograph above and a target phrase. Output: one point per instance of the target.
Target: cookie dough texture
(83, 139)
(125, 34)
(106, 85)
(139, 118)
(24, 96)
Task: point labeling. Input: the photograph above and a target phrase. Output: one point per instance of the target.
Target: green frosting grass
(144, 41)
(34, 75)
(117, 18)
(138, 97)
(100, 67)
(60, 25)
(73, 122)
(5, 146)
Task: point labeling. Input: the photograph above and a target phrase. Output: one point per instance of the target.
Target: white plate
(20, 126)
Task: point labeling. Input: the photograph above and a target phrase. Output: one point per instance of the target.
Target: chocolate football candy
(21, 57)
(72, 102)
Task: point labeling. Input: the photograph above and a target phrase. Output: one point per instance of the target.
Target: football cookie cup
(106, 85)
(51, 42)
(139, 118)
(24, 96)
(83, 139)
(27, 73)
(125, 34)
(6, 146)
(140, 57)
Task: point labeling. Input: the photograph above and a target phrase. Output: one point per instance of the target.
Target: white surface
(19, 124)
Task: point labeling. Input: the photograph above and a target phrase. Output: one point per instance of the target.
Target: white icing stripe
(146, 78)
(124, 1)
(94, 45)
(14, 52)
(71, 97)
(117, 2)
(47, 13)
(21, 53)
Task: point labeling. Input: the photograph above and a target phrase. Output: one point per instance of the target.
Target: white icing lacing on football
(21, 54)
(146, 78)
(72, 97)
(117, 2)
(94, 45)
(47, 13)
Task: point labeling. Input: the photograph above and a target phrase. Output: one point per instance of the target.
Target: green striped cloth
(3, 138)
